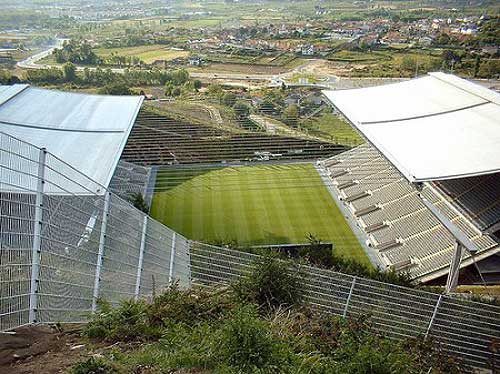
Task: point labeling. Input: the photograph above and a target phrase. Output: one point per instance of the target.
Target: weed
(127, 322)
(93, 366)
(273, 283)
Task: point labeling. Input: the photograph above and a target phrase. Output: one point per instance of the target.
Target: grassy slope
(331, 127)
(258, 205)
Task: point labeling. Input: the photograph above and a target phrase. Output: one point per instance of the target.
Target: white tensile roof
(86, 131)
(431, 128)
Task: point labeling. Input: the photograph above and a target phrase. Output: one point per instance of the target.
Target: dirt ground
(41, 350)
(242, 68)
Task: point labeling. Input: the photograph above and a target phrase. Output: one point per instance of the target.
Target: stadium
(421, 196)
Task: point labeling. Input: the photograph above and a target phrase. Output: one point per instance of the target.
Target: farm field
(147, 53)
(271, 204)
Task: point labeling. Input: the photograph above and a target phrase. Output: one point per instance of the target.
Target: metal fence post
(172, 261)
(37, 239)
(349, 297)
(102, 239)
(141, 257)
(433, 316)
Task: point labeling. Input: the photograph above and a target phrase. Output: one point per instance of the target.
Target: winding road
(327, 81)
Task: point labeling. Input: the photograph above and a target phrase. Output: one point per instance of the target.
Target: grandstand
(415, 152)
(158, 140)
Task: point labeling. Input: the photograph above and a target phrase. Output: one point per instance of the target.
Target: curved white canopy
(86, 131)
(431, 128)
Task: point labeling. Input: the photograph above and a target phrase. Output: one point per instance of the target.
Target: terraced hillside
(159, 140)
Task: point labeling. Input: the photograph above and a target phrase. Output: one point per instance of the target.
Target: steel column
(141, 257)
(37, 239)
(452, 281)
(349, 297)
(172, 261)
(100, 254)
(433, 316)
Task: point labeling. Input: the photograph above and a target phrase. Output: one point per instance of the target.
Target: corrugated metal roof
(431, 128)
(86, 131)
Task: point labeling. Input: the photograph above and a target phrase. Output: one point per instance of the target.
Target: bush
(320, 256)
(93, 366)
(137, 200)
(229, 99)
(189, 307)
(249, 345)
(130, 321)
(273, 283)
(208, 330)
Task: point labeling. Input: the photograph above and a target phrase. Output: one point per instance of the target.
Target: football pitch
(272, 204)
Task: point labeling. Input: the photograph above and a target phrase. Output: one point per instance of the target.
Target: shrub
(318, 255)
(273, 283)
(429, 353)
(127, 322)
(189, 306)
(248, 344)
(93, 366)
(137, 200)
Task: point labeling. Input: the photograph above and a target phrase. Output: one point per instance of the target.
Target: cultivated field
(147, 53)
(256, 205)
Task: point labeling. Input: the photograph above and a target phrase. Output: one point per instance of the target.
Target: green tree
(408, 64)
(477, 65)
(489, 33)
(176, 91)
(197, 84)
(229, 99)
(490, 69)
(169, 88)
(115, 89)
(215, 90)
(180, 76)
(69, 72)
(442, 39)
(241, 109)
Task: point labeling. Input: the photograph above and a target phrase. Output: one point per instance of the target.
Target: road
(31, 62)
(327, 81)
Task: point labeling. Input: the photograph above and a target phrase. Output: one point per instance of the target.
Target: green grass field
(253, 205)
(147, 53)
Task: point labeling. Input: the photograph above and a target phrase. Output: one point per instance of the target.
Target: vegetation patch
(218, 331)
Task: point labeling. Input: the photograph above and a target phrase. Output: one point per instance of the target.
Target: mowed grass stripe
(255, 205)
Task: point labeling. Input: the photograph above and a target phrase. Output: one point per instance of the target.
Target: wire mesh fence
(65, 242)
(463, 328)
(129, 179)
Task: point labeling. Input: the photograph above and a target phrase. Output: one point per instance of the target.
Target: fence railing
(463, 328)
(65, 242)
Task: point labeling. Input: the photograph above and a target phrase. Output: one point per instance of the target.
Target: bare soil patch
(40, 350)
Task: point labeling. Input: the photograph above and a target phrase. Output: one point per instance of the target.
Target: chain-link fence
(466, 329)
(65, 242)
